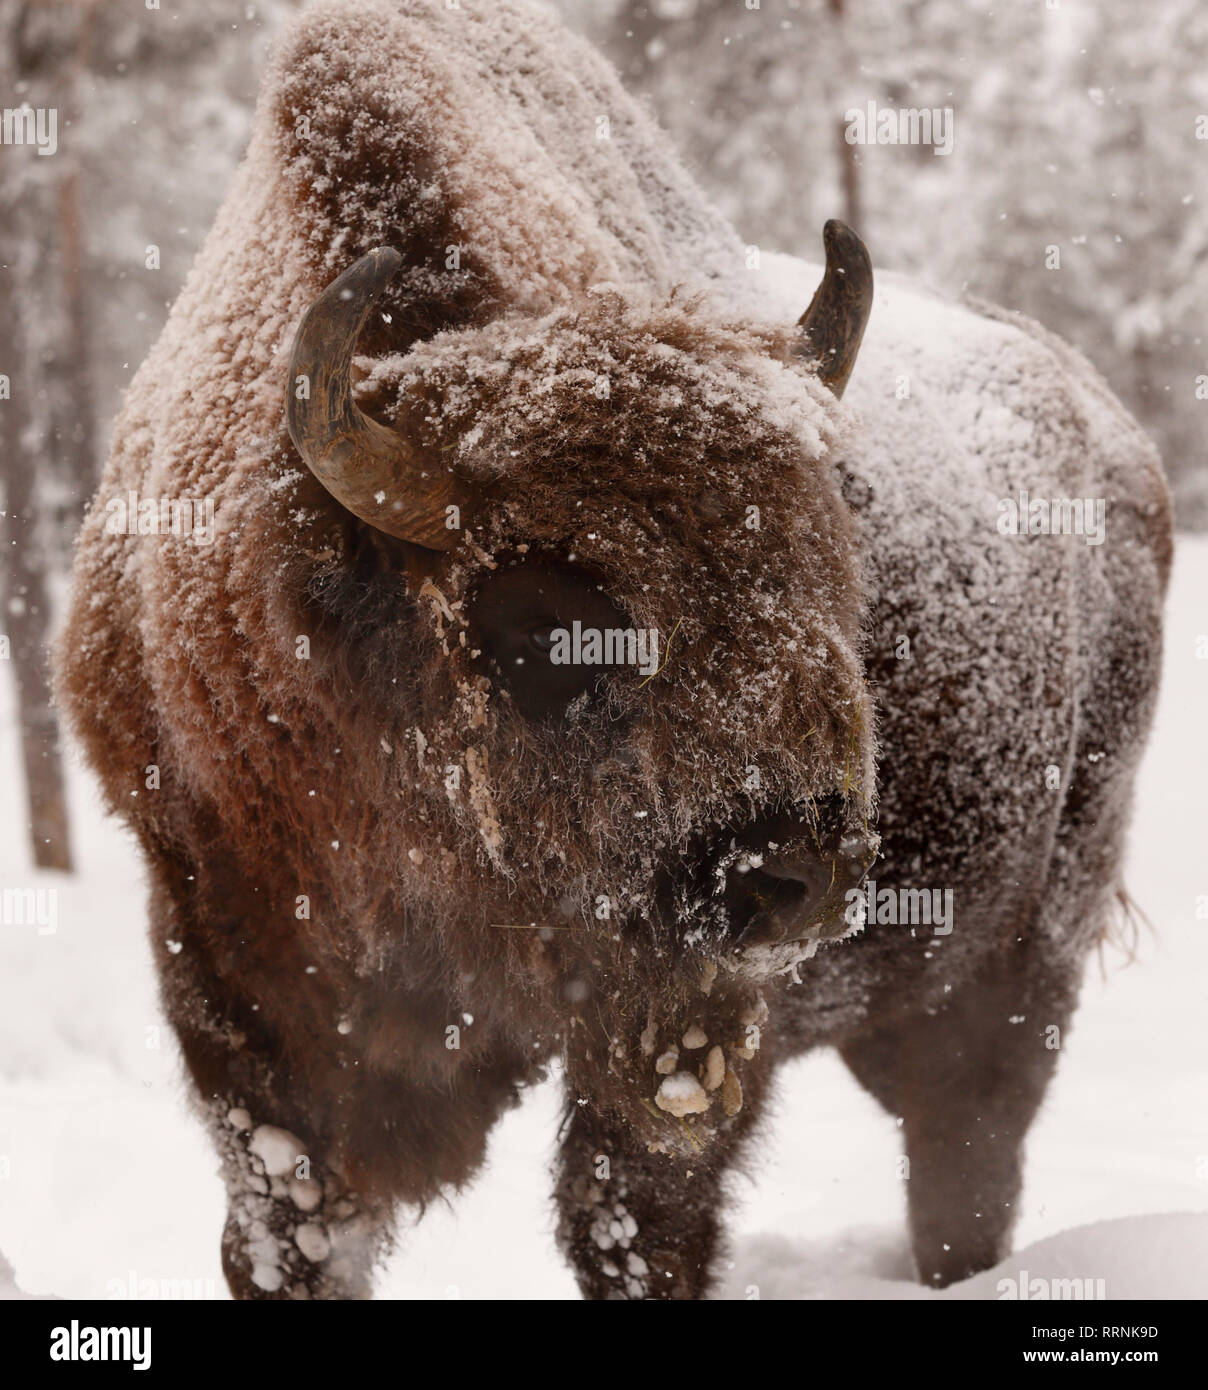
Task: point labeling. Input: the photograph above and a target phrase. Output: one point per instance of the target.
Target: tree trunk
(849, 166)
(23, 592)
(46, 429)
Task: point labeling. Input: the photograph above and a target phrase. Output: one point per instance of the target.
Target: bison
(483, 393)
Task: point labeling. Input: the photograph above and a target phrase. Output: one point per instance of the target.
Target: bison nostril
(775, 879)
(764, 905)
(799, 869)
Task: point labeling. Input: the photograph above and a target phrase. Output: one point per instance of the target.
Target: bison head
(622, 649)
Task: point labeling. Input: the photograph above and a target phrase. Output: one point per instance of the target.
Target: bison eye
(542, 639)
(518, 616)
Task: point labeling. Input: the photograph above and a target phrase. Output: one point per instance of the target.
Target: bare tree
(48, 446)
(849, 167)
(23, 591)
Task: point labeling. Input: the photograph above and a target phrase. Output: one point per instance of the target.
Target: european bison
(566, 654)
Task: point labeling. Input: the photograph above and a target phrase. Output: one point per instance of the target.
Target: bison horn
(831, 328)
(366, 467)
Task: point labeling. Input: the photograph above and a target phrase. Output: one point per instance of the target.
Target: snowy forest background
(1079, 124)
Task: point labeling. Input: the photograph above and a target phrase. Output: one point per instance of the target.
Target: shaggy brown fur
(364, 846)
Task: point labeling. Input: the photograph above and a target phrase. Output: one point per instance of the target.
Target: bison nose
(777, 898)
(785, 894)
(811, 871)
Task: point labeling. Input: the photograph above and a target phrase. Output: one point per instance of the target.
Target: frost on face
(482, 802)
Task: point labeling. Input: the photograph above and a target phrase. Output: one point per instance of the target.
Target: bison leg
(966, 1082)
(294, 1229)
(310, 1215)
(320, 1137)
(637, 1225)
(296, 1226)
(304, 1223)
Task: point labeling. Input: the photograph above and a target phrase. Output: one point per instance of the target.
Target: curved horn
(366, 467)
(831, 328)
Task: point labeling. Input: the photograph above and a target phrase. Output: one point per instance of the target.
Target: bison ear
(833, 325)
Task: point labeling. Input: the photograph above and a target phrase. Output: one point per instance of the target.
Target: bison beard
(404, 866)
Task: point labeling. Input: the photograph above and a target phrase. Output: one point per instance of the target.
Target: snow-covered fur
(383, 899)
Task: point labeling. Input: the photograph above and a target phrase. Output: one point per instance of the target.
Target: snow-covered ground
(107, 1182)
